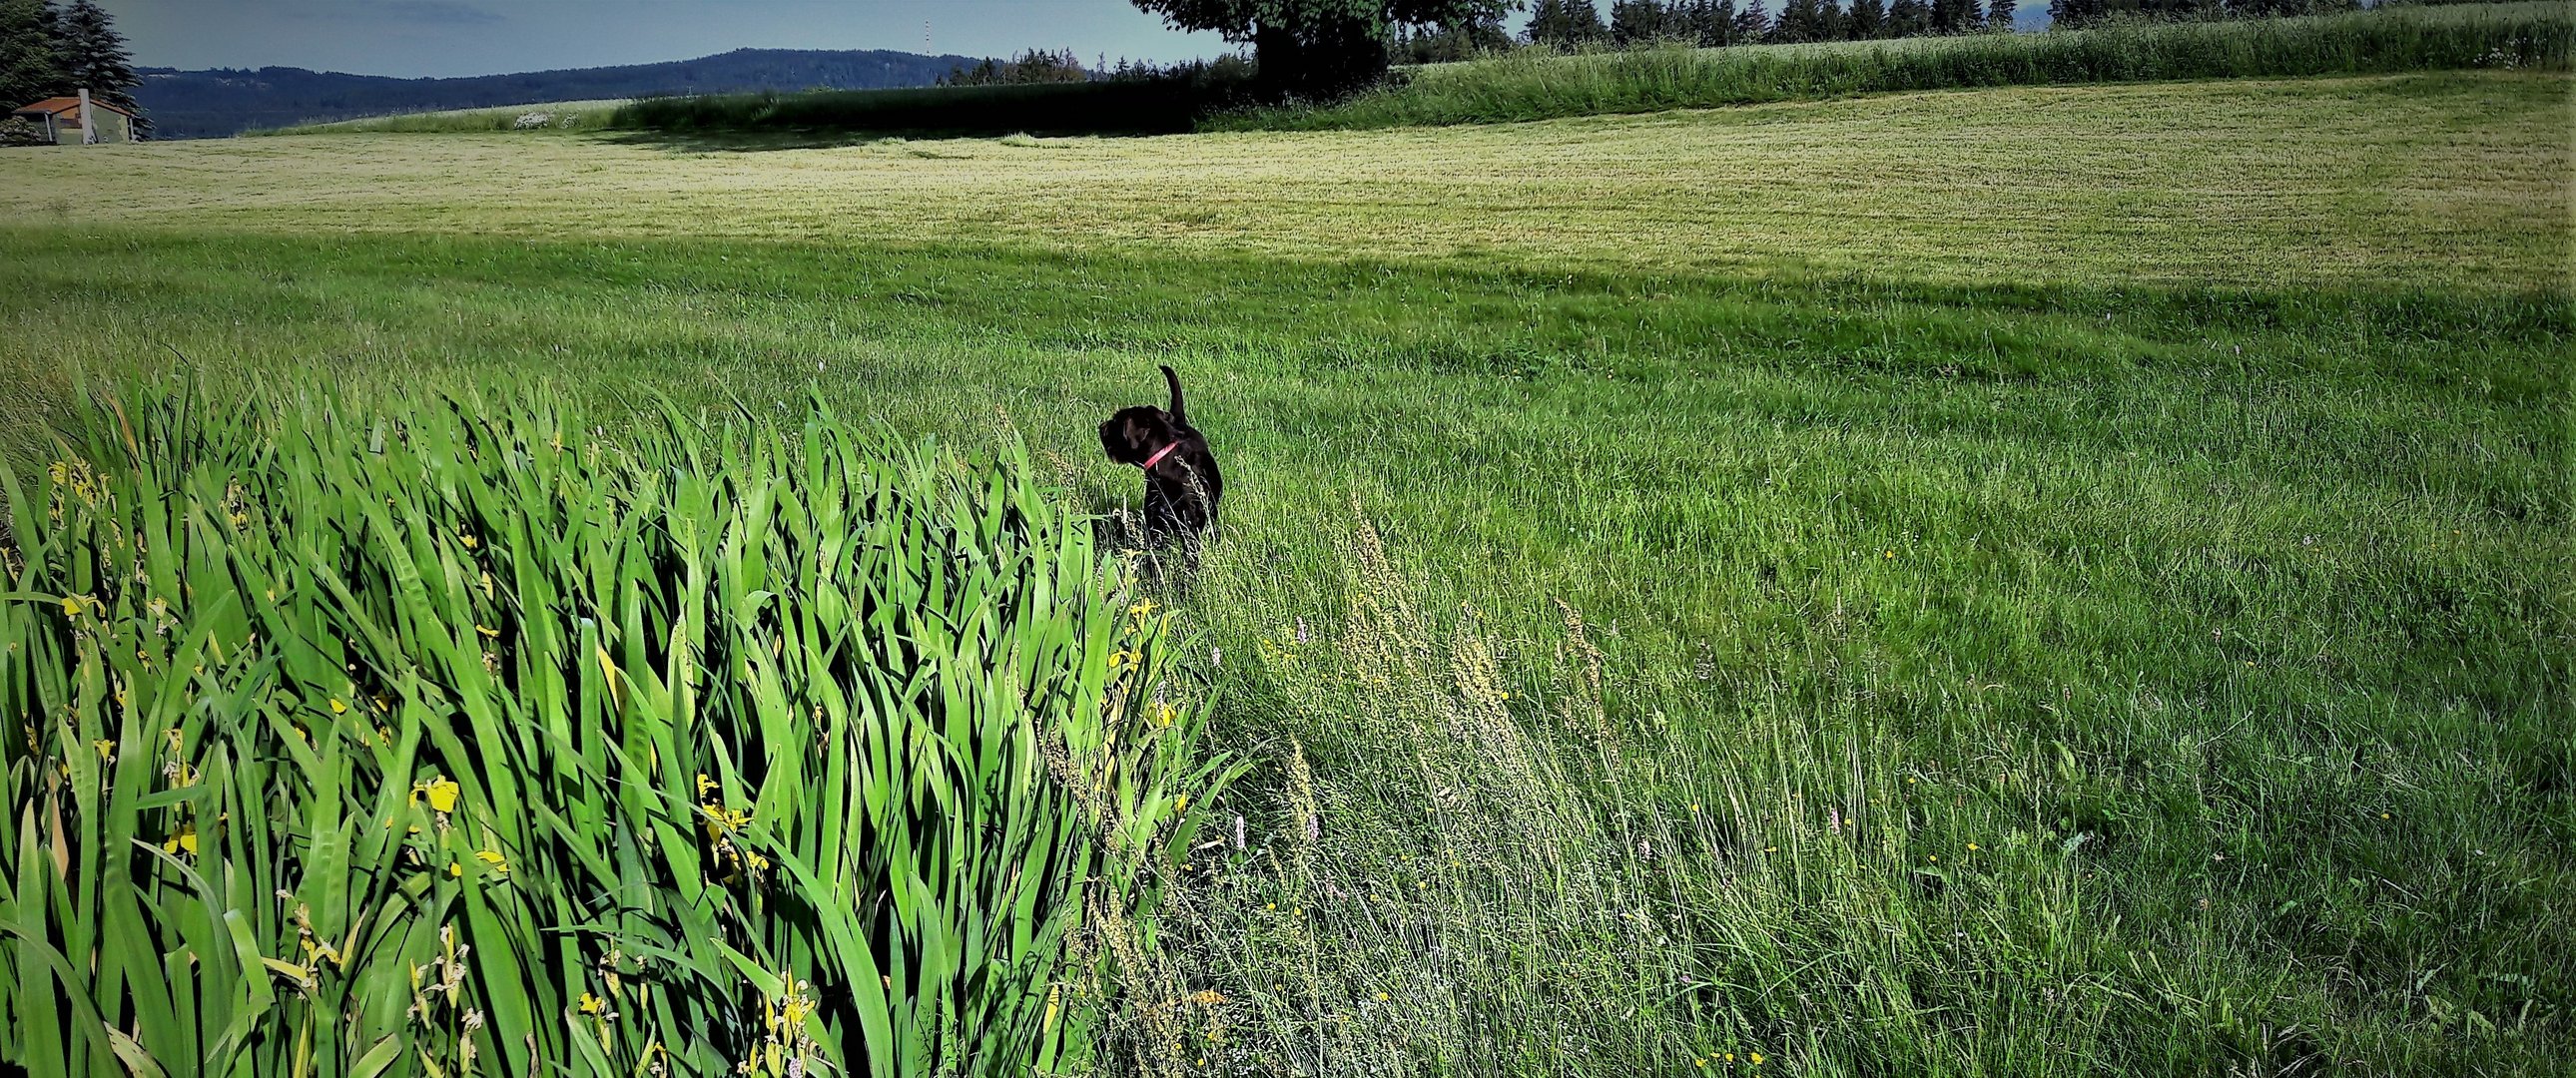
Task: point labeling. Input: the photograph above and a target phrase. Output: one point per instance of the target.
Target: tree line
(50, 50)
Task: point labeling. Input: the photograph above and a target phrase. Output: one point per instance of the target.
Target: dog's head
(1134, 434)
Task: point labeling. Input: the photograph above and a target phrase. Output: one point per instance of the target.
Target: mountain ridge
(216, 102)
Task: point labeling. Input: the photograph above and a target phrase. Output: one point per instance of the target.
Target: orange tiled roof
(57, 105)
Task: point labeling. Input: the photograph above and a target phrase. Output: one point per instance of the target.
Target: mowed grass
(2436, 180)
(2054, 581)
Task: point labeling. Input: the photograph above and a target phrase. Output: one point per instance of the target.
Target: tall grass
(1538, 85)
(441, 735)
(552, 116)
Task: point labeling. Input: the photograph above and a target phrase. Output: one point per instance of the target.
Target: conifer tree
(1868, 19)
(1907, 18)
(30, 68)
(1636, 22)
(1565, 24)
(1999, 16)
(1957, 17)
(1752, 24)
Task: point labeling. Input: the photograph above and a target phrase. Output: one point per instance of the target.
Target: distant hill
(222, 101)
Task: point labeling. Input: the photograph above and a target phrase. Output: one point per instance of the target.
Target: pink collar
(1158, 456)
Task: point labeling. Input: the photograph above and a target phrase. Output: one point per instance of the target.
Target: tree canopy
(1319, 48)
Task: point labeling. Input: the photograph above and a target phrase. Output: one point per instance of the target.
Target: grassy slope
(2162, 489)
(561, 115)
(2346, 181)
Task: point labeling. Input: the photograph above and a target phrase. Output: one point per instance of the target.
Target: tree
(1800, 21)
(1999, 16)
(1565, 24)
(1318, 49)
(1717, 22)
(1907, 18)
(1956, 17)
(1868, 19)
(1638, 22)
(30, 67)
(2074, 12)
(1752, 24)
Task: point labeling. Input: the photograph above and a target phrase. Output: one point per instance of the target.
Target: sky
(413, 38)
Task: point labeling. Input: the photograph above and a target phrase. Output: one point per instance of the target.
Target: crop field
(2015, 581)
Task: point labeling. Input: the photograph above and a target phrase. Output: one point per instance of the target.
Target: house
(60, 117)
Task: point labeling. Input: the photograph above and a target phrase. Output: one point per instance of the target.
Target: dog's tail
(1174, 380)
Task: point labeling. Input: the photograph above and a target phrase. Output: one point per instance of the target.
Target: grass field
(2019, 581)
(559, 116)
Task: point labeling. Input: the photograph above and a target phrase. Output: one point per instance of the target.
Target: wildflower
(442, 794)
(2383, 815)
(186, 839)
(488, 631)
(337, 707)
(1270, 905)
(591, 1004)
(1757, 1059)
(106, 749)
(1972, 847)
(493, 858)
(1381, 997)
(1694, 806)
(1730, 1057)
(472, 542)
(1891, 554)
(71, 607)
(705, 785)
(1699, 1062)
(1142, 609)
(1183, 805)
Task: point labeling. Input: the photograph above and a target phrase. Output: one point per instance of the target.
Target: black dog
(1181, 481)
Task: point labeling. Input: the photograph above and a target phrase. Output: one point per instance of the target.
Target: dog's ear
(1133, 435)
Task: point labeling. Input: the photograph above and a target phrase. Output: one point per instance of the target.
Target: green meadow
(2015, 581)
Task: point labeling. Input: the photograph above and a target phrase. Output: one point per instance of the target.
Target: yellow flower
(106, 748)
(1183, 805)
(1381, 997)
(1208, 998)
(442, 794)
(494, 633)
(1757, 1059)
(472, 542)
(1694, 806)
(1730, 1057)
(71, 607)
(1142, 609)
(1891, 554)
(493, 858)
(186, 839)
(338, 708)
(1972, 847)
(591, 1004)
(705, 784)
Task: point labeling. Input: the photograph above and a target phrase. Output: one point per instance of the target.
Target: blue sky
(483, 37)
